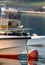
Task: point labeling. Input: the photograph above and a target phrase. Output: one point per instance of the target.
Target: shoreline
(36, 13)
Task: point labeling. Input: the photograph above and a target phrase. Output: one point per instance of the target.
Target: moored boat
(11, 47)
(12, 41)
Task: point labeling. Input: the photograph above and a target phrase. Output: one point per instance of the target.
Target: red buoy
(32, 57)
(33, 54)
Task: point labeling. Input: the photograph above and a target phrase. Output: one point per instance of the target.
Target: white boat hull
(9, 62)
(11, 45)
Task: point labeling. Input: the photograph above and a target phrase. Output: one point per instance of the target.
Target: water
(40, 47)
(38, 23)
(34, 21)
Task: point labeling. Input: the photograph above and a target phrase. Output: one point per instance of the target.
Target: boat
(13, 39)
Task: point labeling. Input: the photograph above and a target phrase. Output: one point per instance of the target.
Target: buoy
(33, 57)
(33, 54)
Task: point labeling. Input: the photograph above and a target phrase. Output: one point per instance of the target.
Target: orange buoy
(33, 54)
(32, 57)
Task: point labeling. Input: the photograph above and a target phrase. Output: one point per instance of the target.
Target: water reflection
(32, 62)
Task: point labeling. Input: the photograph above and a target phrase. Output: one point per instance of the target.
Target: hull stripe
(14, 57)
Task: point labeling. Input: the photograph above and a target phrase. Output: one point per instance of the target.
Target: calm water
(40, 47)
(38, 23)
(34, 21)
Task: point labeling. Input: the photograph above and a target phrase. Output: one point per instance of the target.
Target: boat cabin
(10, 18)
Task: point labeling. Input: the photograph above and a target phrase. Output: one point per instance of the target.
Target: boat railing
(18, 31)
(15, 31)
